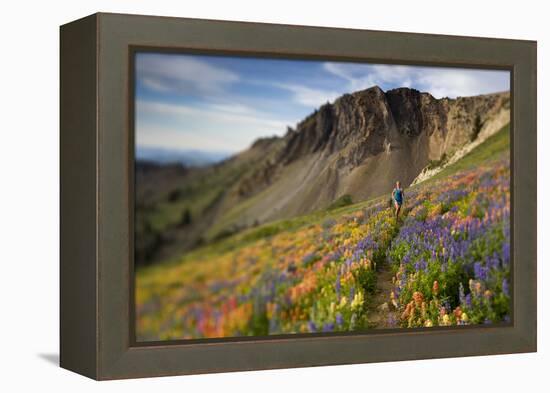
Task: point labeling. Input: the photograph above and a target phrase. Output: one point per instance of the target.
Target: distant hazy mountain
(190, 158)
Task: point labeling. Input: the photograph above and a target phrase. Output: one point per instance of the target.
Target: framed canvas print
(240, 196)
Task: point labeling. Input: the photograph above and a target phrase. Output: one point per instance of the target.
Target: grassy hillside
(494, 148)
(174, 212)
(448, 257)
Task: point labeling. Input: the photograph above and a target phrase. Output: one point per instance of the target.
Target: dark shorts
(399, 202)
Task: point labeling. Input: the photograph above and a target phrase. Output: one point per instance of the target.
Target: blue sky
(220, 103)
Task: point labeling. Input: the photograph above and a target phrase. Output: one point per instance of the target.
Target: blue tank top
(398, 195)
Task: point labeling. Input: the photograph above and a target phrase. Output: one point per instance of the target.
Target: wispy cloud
(452, 82)
(211, 127)
(173, 138)
(237, 114)
(182, 74)
(308, 96)
(363, 76)
(438, 81)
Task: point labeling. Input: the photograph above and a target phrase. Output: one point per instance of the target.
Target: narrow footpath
(382, 311)
(382, 314)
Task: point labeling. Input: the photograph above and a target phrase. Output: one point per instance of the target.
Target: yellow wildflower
(343, 301)
(358, 301)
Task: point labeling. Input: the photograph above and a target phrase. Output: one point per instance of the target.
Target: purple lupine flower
(339, 319)
(311, 326)
(328, 327)
(424, 265)
(335, 256)
(480, 271)
(468, 300)
(505, 287)
(506, 253)
(493, 262)
(397, 291)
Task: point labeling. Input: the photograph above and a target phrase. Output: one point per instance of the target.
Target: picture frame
(96, 196)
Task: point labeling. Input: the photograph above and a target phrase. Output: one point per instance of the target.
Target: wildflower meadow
(446, 262)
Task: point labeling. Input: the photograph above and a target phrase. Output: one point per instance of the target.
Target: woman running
(397, 196)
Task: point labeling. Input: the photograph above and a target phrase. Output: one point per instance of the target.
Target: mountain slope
(358, 146)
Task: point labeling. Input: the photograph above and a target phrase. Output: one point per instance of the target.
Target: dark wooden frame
(97, 207)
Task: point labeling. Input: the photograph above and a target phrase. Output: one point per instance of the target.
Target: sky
(223, 104)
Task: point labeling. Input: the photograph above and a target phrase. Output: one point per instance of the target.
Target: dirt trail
(381, 310)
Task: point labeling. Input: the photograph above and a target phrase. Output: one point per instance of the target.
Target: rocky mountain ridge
(365, 141)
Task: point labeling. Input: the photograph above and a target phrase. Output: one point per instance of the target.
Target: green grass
(199, 194)
(344, 200)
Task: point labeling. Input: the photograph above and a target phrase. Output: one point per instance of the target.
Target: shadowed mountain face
(358, 146)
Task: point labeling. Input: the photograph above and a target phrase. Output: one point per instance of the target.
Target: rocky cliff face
(358, 145)
(362, 143)
(371, 119)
